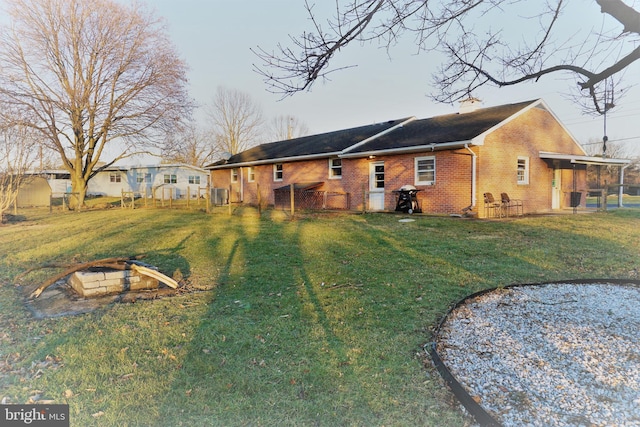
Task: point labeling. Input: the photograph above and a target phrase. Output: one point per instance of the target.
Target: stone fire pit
(84, 287)
(103, 281)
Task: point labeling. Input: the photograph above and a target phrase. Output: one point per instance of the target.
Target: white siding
(101, 184)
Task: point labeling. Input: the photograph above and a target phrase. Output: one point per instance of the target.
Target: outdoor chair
(492, 208)
(509, 203)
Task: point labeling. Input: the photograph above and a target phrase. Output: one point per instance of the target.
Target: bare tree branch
(91, 75)
(18, 155)
(236, 121)
(475, 58)
(191, 145)
(287, 127)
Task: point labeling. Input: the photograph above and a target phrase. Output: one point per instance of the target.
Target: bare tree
(286, 127)
(471, 34)
(18, 155)
(191, 145)
(94, 76)
(235, 119)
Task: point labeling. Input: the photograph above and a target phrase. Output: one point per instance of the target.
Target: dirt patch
(60, 300)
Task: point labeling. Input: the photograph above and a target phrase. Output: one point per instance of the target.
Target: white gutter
(474, 162)
(277, 160)
(378, 135)
(414, 149)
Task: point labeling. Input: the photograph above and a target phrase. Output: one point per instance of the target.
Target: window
(115, 177)
(425, 168)
(378, 175)
(251, 174)
(277, 172)
(234, 175)
(170, 179)
(335, 168)
(523, 170)
(194, 179)
(143, 177)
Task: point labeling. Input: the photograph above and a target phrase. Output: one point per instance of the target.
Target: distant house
(164, 180)
(34, 191)
(176, 181)
(520, 149)
(59, 180)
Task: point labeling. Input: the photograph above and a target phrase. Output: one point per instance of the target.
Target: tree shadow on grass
(266, 334)
(273, 346)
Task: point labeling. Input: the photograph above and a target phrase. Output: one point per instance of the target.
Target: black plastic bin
(407, 200)
(576, 197)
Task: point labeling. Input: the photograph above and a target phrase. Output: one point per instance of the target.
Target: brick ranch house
(521, 149)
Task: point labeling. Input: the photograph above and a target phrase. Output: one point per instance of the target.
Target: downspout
(620, 190)
(474, 162)
(241, 185)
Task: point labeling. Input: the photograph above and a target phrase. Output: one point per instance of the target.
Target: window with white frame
(194, 179)
(277, 172)
(139, 177)
(234, 175)
(251, 174)
(335, 168)
(115, 177)
(523, 170)
(170, 179)
(147, 178)
(425, 170)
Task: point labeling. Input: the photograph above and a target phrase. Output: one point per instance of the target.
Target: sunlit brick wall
(526, 136)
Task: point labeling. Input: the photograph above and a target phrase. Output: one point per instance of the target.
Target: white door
(556, 189)
(376, 186)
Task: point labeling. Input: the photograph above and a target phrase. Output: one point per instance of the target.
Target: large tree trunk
(79, 192)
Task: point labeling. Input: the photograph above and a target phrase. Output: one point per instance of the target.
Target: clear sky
(215, 37)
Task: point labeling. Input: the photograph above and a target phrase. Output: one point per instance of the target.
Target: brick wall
(524, 136)
(450, 193)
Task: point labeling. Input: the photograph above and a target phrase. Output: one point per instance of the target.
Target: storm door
(376, 186)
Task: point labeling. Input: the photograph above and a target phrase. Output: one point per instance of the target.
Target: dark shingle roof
(443, 129)
(435, 130)
(325, 143)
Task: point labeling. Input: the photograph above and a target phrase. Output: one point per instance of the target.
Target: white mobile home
(177, 181)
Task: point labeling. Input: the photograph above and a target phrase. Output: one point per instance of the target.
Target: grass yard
(612, 201)
(316, 321)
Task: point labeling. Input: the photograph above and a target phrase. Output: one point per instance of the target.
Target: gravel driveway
(549, 355)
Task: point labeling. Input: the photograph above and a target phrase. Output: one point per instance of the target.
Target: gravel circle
(549, 355)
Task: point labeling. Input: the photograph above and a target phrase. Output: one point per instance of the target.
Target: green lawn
(316, 321)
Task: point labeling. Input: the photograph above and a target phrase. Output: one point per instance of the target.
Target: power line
(612, 140)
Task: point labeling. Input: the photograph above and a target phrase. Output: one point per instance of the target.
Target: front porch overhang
(573, 161)
(567, 161)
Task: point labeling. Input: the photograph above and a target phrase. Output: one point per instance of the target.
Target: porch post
(621, 189)
(292, 198)
(575, 189)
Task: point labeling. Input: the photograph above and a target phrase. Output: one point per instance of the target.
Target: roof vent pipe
(469, 105)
